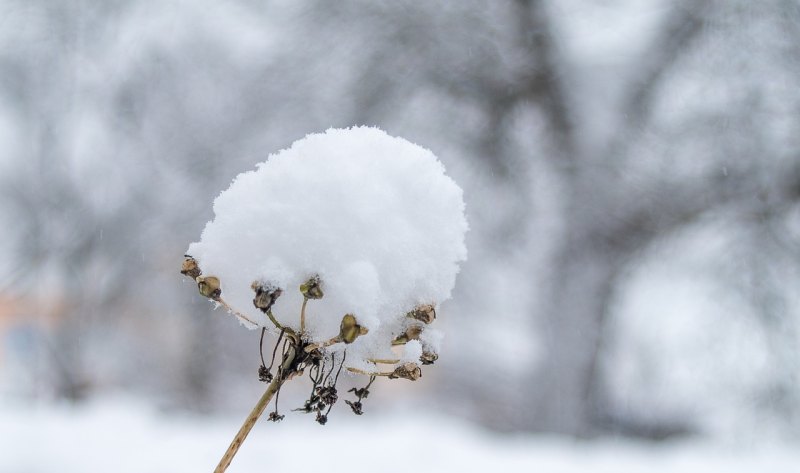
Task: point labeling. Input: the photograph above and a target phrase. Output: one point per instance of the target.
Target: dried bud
(209, 286)
(190, 268)
(266, 295)
(424, 313)
(264, 375)
(312, 288)
(411, 333)
(275, 417)
(349, 330)
(327, 394)
(362, 393)
(428, 357)
(356, 406)
(408, 371)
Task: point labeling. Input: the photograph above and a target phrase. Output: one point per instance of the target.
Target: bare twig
(275, 350)
(325, 344)
(360, 371)
(378, 361)
(277, 324)
(259, 408)
(261, 346)
(233, 311)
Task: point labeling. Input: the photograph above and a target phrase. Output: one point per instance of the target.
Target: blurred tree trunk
(571, 334)
(604, 223)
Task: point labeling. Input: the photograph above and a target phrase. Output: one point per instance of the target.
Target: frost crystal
(350, 221)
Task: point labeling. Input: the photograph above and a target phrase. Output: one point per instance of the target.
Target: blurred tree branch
(544, 81)
(679, 31)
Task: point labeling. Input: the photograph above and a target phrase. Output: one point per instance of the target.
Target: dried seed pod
(362, 393)
(312, 288)
(349, 329)
(428, 357)
(327, 394)
(266, 295)
(424, 313)
(411, 333)
(356, 406)
(190, 267)
(410, 371)
(209, 286)
(264, 375)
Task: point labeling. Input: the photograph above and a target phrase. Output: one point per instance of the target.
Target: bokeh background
(632, 176)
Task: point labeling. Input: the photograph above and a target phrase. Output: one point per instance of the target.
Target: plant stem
(262, 403)
(303, 316)
(316, 346)
(383, 362)
(358, 371)
(276, 323)
(233, 311)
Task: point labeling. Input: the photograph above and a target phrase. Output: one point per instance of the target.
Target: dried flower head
(361, 222)
(209, 286)
(349, 329)
(410, 371)
(312, 288)
(189, 267)
(424, 313)
(380, 227)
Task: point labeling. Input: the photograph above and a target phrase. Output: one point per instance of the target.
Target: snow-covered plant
(342, 245)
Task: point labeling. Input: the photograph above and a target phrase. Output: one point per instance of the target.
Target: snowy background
(631, 170)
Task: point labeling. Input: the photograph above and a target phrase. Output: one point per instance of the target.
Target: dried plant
(296, 355)
(340, 246)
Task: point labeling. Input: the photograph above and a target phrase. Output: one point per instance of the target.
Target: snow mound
(374, 217)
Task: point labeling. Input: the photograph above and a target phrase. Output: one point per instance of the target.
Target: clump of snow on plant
(374, 216)
(412, 352)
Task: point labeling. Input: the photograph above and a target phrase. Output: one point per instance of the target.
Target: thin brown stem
(259, 408)
(325, 344)
(261, 346)
(235, 312)
(277, 324)
(383, 361)
(275, 351)
(359, 371)
(344, 357)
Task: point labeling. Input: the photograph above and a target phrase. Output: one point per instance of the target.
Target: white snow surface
(122, 435)
(374, 216)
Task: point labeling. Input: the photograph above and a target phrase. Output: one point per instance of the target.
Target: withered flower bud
(356, 406)
(408, 371)
(312, 288)
(428, 357)
(209, 286)
(424, 313)
(264, 375)
(411, 333)
(327, 394)
(190, 268)
(349, 329)
(362, 393)
(265, 295)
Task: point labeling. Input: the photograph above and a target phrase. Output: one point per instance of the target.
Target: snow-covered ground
(123, 436)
